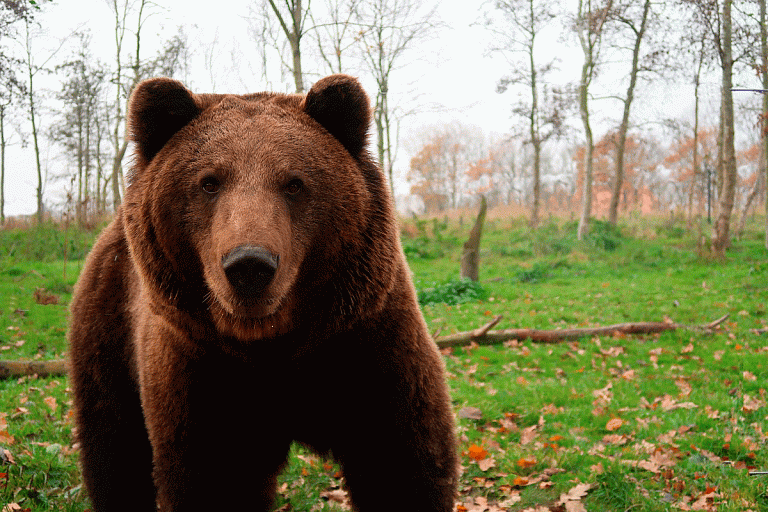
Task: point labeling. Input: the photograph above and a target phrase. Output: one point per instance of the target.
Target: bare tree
(32, 69)
(517, 30)
(625, 16)
(76, 128)
(389, 29)
(590, 22)
(338, 35)
(764, 126)
(291, 16)
(12, 88)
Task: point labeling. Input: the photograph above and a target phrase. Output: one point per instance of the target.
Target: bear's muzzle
(249, 270)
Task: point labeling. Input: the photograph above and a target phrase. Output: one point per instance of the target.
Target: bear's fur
(251, 291)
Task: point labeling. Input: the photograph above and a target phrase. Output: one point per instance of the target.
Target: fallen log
(50, 368)
(485, 336)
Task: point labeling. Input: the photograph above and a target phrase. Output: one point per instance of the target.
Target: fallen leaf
(477, 452)
(528, 434)
(526, 463)
(752, 404)
(51, 403)
(486, 464)
(471, 413)
(6, 438)
(575, 493)
(615, 439)
(684, 387)
(338, 496)
(614, 424)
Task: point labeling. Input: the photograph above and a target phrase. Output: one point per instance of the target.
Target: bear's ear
(340, 105)
(158, 108)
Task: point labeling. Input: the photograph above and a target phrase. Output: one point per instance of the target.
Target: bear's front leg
(211, 449)
(394, 434)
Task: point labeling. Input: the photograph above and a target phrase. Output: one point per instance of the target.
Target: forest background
(591, 108)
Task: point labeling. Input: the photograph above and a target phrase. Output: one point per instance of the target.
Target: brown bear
(250, 292)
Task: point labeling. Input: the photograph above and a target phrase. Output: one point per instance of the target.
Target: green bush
(454, 291)
(604, 235)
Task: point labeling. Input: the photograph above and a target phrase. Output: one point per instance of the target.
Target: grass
(648, 423)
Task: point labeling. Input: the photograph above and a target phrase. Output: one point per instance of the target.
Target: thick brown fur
(187, 391)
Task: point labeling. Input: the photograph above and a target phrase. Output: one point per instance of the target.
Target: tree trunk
(618, 183)
(764, 59)
(535, 134)
(721, 235)
(695, 164)
(36, 145)
(589, 147)
(470, 257)
(293, 34)
(2, 165)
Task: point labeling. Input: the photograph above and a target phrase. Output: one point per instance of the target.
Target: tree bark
(470, 257)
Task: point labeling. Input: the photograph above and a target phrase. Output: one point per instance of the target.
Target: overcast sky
(453, 76)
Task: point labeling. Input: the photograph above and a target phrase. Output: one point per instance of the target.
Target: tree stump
(470, 257)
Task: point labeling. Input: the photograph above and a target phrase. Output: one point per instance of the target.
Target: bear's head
(256, 214)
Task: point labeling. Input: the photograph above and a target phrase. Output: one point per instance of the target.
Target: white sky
(454, 71)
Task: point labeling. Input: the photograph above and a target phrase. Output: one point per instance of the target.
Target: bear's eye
(210, 185)
(294, 187)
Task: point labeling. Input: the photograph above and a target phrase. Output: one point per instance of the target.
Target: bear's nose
(249, 269)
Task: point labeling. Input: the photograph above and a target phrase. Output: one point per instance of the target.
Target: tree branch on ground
(484, 336)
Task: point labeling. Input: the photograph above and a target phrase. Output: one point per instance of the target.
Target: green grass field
(674, 421)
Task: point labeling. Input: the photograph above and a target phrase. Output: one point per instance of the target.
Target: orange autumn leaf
(477, 452)
(555, 438)
(526, 463)
(614, 424)
(520, 481)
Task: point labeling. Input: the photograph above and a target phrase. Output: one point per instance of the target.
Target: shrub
(454, 291)
(604, 235)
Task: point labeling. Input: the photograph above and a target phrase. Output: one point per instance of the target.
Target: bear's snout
(249, 269)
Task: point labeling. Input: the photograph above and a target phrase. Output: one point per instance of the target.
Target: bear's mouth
(258, 318)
